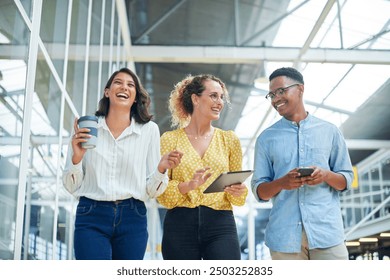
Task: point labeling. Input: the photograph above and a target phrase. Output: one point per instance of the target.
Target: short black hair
(289, 72)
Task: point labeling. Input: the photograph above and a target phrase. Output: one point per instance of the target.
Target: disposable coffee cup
(91, 123)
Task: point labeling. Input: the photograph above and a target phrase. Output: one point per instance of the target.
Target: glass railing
(368, 200)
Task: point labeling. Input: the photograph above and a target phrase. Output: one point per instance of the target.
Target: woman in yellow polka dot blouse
(198, 225)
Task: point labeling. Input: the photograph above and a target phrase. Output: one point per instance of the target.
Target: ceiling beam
(213, 54)
(253, 55)
(125, 30)
(367, 144)
(314, 32)
(327, 107)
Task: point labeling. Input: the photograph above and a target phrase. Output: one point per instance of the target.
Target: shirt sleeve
(171, 197)
(156, 182)
(340, 161)
(263, 171)
(72, 175)
(235, 162)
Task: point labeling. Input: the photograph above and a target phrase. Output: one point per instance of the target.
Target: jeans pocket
(140, 209)
(83, 209)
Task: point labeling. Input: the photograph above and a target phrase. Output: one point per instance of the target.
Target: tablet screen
(228, 178)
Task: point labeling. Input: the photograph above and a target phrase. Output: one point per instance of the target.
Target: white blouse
(119, 168)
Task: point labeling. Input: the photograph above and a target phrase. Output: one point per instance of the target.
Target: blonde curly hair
(180, 102)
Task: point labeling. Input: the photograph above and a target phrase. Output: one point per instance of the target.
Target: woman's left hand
(236, 190)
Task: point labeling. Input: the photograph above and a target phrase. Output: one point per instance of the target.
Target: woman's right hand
(199, 178)
(80, 135)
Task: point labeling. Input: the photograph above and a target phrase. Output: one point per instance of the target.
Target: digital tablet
(228, 178)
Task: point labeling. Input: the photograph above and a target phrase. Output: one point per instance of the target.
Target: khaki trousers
(338, 252)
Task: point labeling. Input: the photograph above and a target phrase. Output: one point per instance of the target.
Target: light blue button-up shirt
(283, 147)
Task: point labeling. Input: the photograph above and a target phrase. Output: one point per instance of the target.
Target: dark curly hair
(139, 110)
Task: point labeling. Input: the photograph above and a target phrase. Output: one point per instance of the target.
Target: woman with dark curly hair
(200, 225)
(113, 180)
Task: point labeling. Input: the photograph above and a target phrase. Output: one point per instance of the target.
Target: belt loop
(132, 203)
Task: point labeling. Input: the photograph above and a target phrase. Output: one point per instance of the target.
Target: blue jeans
(200, 233)
(106, 230)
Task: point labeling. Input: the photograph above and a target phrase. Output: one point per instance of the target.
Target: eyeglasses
(280, 91)
(215, 97)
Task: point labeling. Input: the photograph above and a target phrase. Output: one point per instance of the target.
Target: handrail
(362, 221)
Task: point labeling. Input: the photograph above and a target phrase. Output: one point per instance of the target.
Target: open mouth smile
(122, 95)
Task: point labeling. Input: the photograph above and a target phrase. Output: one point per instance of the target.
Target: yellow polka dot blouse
(223, 154)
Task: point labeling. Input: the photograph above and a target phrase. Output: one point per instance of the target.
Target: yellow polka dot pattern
(223, 154)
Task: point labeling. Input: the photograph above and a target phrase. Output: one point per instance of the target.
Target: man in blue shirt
(305, 221)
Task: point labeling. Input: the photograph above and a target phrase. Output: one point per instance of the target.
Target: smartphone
(305, 171)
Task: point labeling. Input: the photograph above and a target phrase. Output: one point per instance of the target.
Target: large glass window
(14, 40)
(385, 167)
(80, 48)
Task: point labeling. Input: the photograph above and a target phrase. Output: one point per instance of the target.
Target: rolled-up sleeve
(263, 171)
(73, 175)
(340, 161)
(156, 182)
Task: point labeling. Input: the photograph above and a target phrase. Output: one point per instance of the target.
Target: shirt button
(302, 150)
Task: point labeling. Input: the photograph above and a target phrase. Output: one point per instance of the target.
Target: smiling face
(290, 103)
(122, 91)
(211, 102)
